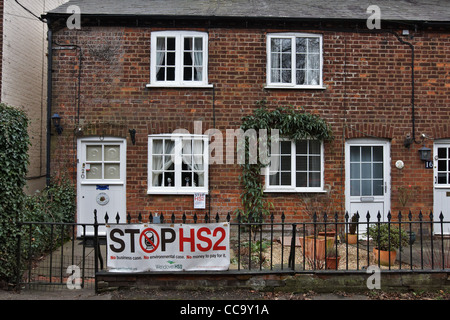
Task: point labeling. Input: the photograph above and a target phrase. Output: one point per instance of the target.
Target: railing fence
(269, 244)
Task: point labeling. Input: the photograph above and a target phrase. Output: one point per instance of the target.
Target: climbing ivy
(293, 124)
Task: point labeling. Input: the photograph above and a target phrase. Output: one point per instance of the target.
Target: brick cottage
(141, 81)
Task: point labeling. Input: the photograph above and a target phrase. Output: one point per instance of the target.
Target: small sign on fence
(174, 247)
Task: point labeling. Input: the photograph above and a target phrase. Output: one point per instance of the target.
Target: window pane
(314, 163)
(274, 179)
(378, 171)
(300, 45)
(187, 59)
(286, 45)
(170, 43)
(198, 44)
(442, 165)
(275, 76)
(301, 147)
(161, 43)
(355, 170)
(300, 61)
(314, 179)
(157, 162)
(95, 172)
(442, 178)
(275, 45)
(93, 153)
(169, 179)
(354, 154)
(286, 61)
(285, 147)
(313, 61)
(301, 180)
(285, 163)
(313, 77)
(286, 76)
(366, 187)
(442, 152)
(170, 58)
(275, 60)
(112, 153)
(377, 187)
(314, 147)
(112, 171)
(355, 188)
(301, 163)
(170, 74)
(366, 170)
(301, 77)
(285, 178)
(313, 45)
(187, 74)
(187, 43)
(366, 154)
(377, 153)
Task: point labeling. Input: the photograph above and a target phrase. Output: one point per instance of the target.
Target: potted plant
(315, 246)
(332, 258)
(387, 239)
(351, 236)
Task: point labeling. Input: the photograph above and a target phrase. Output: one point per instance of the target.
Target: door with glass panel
(367, 179)
(441, 185)
(101, 181)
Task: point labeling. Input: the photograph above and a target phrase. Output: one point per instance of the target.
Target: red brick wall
(368, 94)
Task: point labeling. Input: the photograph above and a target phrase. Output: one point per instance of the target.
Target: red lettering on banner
(191, 240)
(204, 239)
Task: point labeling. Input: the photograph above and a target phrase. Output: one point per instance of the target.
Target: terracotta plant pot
(384, 257)
(319, 243)
(333, 263)
(351, 238)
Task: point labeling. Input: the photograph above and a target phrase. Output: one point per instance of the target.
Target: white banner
(168, 247)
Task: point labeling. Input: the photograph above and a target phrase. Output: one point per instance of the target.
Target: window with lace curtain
(294, 60)
(179, 58)
(178, 164)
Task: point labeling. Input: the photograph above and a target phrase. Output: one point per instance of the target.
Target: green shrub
(387, 237)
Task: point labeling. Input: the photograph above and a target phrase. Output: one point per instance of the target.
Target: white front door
(101, 181)
(367, 179)
(441, 185)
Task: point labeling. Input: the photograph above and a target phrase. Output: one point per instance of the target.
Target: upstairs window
(179, 58)
(294, 61)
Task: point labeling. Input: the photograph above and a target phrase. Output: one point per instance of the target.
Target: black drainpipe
(49, 97)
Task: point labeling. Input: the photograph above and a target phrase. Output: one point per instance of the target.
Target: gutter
(49, 96)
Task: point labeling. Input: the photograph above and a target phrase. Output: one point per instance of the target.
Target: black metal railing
(268, 244)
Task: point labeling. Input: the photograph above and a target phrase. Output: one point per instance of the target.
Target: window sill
(271, 86)
(176, 192)
(187, 86)
(295, 190)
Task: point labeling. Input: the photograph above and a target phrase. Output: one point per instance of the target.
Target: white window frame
(293, 187)
(292, 84)
(178, 189)
(179, 60)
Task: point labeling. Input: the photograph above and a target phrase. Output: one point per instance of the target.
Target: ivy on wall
(14, 143)
(56, 203)
(292, 124)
